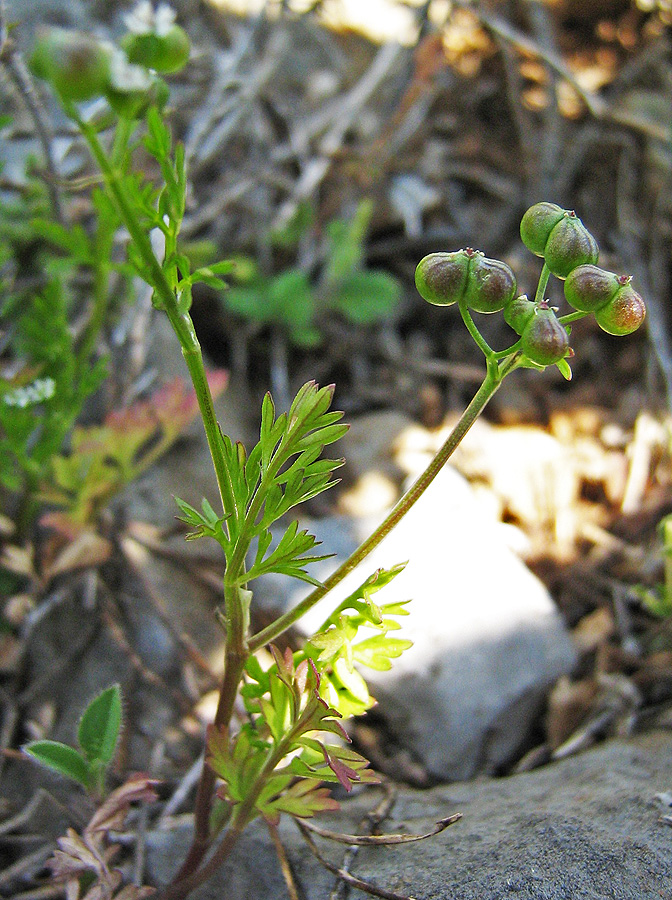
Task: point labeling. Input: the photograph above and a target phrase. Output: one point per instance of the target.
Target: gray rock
(587, 827)
(488, 640)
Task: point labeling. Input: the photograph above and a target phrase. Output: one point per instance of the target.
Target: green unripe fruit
(76, 65)
(490, 285)
(441, 278)
(164, 53)
(518, 313)
(544, 340)
(623, 314)
(589, 288)
(537, 224)
(569, 245)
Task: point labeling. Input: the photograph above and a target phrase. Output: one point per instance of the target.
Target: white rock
(488, 640)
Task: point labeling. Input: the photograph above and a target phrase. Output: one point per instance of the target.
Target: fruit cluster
(570, 252)
(80, 67)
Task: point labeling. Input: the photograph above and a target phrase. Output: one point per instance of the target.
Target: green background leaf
(100, 725)
(61, 758)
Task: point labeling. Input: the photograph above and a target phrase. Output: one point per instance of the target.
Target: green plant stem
(491, 383)
(572, 317)
(236, 661)
(478, 338)
(190, 876)
(236, 656)
(180, 321)
(543, 281)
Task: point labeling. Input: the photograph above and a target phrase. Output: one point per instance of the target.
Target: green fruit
(623, 314)
(569, 245)
(441, 278)
(589, 288)
(544, 340)
(537, 224)
(76, 65)
(518, 313)
(164, 53)
(490, 285)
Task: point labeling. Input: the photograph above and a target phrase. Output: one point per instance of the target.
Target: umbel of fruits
(559, 236)
(544, 340)
(75, 64)
(618, 308)
(485, 285)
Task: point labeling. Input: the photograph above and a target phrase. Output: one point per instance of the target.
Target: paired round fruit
(559, 236)
(518, 313)
(484, 285)
(617, 307)
(76, 64)
(80, 68)
(544, 339)
(164, 52)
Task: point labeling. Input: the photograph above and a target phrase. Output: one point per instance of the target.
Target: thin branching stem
(490, 385)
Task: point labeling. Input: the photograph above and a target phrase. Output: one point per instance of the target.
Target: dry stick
(111, 618)
(373, 840)
(20, 76)
(659, 278)
(186, 645)
(252, 87)
(344, 875)
(370, 822)
(521, 117)
(552, 124)
(285, 866)
(227, 76)
(156, 759)
(19, 869)
(47, 892)
(597, 106)
(343, 116)
(10, 721)
(188, 781)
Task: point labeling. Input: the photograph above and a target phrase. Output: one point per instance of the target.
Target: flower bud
(569, 245)
(490, 284)
(441, 278)
(589, 288)
(623, 314)
(76, 64)
(518, 313)
(544, 340)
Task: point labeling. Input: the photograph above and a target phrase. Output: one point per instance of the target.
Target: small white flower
(145, 20)
(164, 19)
(126, 77)
(30, 394)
